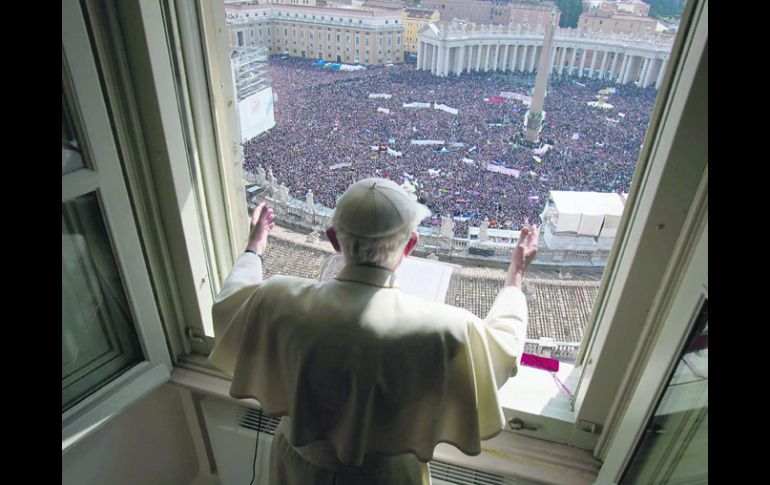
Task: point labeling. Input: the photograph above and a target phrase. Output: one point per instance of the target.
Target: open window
(198, 97)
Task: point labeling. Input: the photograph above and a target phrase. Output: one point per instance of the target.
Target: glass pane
(71, 158)
(98, 337)
(492, 137)
(674, 447)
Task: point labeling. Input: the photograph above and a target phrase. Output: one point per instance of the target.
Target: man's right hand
(523, 254)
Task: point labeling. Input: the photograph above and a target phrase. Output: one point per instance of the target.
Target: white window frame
(83, 87)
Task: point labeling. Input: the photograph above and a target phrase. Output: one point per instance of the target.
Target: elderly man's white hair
(381, 251)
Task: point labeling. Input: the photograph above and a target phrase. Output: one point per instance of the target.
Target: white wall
(150, 443)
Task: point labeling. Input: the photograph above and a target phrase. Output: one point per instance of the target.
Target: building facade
(458, 47)
(492, 12)
(630, 7)
(606, 21)
(414, 20)
(355, 36)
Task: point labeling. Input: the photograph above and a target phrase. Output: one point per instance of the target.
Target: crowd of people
(325, 120)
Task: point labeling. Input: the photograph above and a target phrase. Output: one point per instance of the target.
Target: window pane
(679, 426)
(98, 337)
(71, 158)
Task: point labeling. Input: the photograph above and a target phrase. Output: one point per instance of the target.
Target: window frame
(103, 176)
(580, 427)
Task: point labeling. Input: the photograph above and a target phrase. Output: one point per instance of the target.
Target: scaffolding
(250, 70)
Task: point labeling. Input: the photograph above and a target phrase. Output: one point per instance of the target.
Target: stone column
(648, 76)
(594, 57)
(506, 53)
(515, 48)
(646, 64)
(623, 68)
(661, 73)
(572, 61)
(434, 59)
(533, 63)
(479, 48)
(552, 60)
(497, 57)
(460, 60)
(486, 58)
(582, 62)
(534, 119)
(419, 56)
(615, 57)
(445, 69)
(603, 67)
(561, 59)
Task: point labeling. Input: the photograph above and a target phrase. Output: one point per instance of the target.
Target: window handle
(517, 424)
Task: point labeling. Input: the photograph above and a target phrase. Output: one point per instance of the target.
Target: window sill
(507, 454)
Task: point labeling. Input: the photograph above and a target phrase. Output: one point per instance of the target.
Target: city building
(630, 7)
(345, 35)
(457, 47)
(621, 23)
(493, 12)
(414, 20)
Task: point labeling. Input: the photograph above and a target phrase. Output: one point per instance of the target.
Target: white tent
(588, 213)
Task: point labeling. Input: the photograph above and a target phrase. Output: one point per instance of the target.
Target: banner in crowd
(456, 144)
(383, 110)
(537, 159)
(519, 97)
(607, 91)
(506, 171)
(379, 96)
(427, 142)
(340, 165)
(612, 120)
(542, 150)
(433, 172)
(576, 136)
(468, 161)
(255, 114)
(416, 105)
(442, 150)
(446, 108)
(394, 153)
(348, 67)
(596, 104)
(494, 100)
(375, 148)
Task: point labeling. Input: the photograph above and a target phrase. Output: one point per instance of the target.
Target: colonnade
(621, 64)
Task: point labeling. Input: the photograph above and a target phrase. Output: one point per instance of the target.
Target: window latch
(517, 424)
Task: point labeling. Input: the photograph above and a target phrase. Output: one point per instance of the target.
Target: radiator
(232, 430)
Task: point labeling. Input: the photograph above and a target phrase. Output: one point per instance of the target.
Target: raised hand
(523, 254)
(261, 225)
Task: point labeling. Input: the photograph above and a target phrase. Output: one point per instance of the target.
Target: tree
(666, 8)
(570, 11)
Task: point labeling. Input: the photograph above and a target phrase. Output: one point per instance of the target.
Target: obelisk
(533, 120)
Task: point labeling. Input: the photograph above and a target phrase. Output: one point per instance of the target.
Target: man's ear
(332, 236)
(412, 243)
